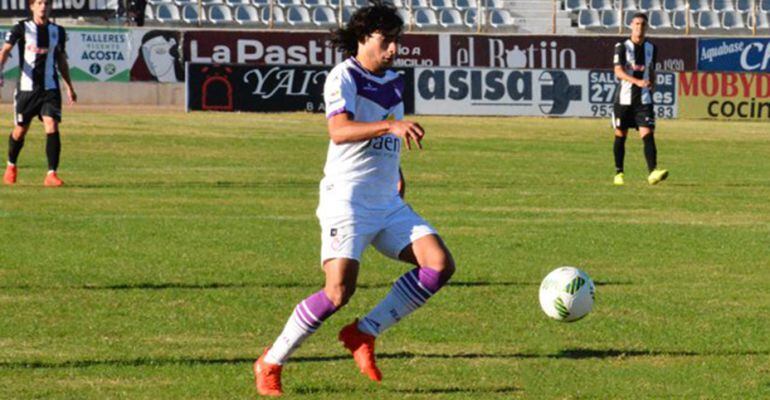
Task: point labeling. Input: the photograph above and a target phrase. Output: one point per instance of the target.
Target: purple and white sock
(306, 319)
(408, 293)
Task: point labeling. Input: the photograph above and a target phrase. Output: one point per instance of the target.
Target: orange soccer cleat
(52, 180)
(267, 377)
(361, 345)
(9, 178)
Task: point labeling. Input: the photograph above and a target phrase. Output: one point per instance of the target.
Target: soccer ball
(567, 294)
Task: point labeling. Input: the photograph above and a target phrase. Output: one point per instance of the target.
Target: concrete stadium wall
(119, 93)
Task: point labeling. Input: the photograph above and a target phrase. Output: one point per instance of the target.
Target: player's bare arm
(344, 130)
(5, 51)
(621, 74)
(64, 70)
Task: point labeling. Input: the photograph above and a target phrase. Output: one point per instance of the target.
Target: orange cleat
(9, 178)
(267, 377)
(52, 180)
(362, 347)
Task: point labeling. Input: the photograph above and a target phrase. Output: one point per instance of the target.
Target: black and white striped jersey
(39, 48)
(638, 60)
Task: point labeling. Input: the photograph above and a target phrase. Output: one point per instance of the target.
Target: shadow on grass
(573, 354)
(140, 185)
(451, 390)
(277, 285)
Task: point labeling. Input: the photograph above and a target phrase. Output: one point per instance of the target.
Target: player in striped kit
(635, 69)
(42, 56)
(360, 203)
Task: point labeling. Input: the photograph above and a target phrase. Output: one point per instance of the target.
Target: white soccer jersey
(363, 173)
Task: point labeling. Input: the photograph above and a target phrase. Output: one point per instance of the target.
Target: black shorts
(36, 103)
(640, 116)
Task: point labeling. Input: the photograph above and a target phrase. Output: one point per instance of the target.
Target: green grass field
(182, 242)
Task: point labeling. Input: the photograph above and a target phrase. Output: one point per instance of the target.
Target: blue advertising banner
(734, 54)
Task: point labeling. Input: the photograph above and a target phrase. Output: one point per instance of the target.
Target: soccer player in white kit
(359, 200)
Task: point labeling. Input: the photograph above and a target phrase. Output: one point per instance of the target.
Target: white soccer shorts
(347, 236)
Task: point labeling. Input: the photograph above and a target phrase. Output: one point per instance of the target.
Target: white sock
(307, 317)
(407, 295)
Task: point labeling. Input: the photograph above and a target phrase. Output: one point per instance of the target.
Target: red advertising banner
(561, 52)
(291, 48)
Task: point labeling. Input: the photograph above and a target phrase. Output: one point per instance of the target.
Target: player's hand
(643, 83)
(408, 131)
(71, 95)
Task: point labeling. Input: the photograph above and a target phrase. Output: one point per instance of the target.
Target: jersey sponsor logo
(388, 144)
(36, 50)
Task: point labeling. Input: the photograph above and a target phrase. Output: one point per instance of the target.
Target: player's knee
(19, 133)
(340, 294)
(443, 262)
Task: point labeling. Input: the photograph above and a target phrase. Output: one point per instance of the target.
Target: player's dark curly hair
(377, 17)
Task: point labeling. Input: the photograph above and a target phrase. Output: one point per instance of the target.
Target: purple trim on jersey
(340, 111)
(385, 95)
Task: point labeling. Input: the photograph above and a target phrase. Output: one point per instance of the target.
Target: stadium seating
(470, 18)
(425, 18)
(732, 20)
(190, 14)
(297, 15)
(699, 5)
(601, 4)
(627, 18)
(167, 12)
(744, 5)
(219, 14)
(246, 14)
(404, 14)
(500, 18)
(674, 5)
(575, 5)
(763, 21)
(721, 16)
(629, 5)
(610, 19)
(493, 4)
(659, 19)
(323, 16)
(439, 5)
(462, 5)
(709, 16)
(650, 5)
(450, 18)
(708, 20)
(723, 5)
(679, 20)
(279, 17)
(149, 13)
(589, 19)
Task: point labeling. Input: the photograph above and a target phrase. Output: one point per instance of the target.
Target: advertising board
(265, 88)
(528, 92)
(724, 95)
(734, 54)
(560, 52)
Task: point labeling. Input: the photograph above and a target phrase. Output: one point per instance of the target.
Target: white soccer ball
(567, 294)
